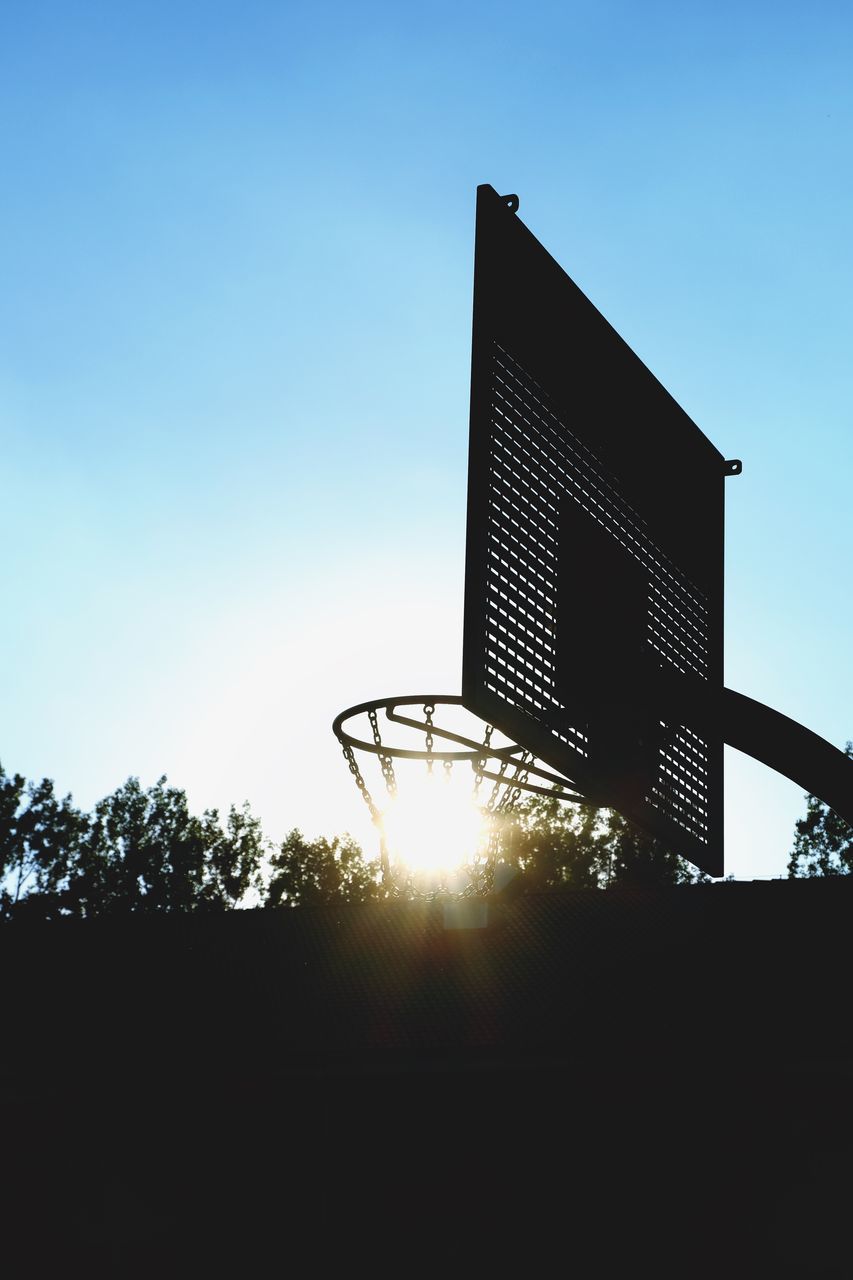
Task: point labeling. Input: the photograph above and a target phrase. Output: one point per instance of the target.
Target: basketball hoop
(458, 829)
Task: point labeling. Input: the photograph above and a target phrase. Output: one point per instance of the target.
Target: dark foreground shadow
(607, 1084)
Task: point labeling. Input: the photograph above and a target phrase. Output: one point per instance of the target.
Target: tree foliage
(320, 873)
(40, 839)
(823, 841)
(144, 851)
(139, 851)
(556, 845)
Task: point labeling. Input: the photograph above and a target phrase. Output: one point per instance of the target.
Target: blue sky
(236, 250)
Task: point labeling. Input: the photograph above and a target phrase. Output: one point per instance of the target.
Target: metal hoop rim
(479, 751)
(401, 753)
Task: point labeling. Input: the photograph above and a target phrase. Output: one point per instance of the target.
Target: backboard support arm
(769, 736)
(790, 748)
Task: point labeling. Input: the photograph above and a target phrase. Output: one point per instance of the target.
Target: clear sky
(236, 247)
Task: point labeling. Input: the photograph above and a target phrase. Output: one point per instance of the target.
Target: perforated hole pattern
(535, 461)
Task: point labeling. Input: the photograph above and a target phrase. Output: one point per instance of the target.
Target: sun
(435, 830)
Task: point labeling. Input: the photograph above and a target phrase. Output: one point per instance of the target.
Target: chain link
(349, 756)
(385, 761)
(491, 803)
(429, 709)
(511, 796)
(508, 783)
(480, 762)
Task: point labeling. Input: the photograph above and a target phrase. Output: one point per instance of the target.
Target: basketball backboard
(594, 559)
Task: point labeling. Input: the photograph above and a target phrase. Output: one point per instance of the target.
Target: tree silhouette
(823, 843)
(39, 845)
(139, 851)
(320, 872)
(144, 851)
(557, 845)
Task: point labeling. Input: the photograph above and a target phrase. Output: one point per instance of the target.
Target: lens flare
(435, 830)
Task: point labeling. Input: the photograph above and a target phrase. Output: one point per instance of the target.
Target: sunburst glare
(436, 828)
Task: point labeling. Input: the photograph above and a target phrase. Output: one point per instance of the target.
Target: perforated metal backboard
(594, 563)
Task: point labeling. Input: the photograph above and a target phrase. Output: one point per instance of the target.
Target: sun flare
(435, 829)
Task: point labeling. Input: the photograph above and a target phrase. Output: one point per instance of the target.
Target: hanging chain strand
(492, 801)
(508, 770)
(484, 880)
(480, 762)
(385, 761)
(429, 709)
(510, 797)
(349, 756)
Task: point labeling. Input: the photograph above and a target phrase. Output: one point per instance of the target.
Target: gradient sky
(236, 247)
